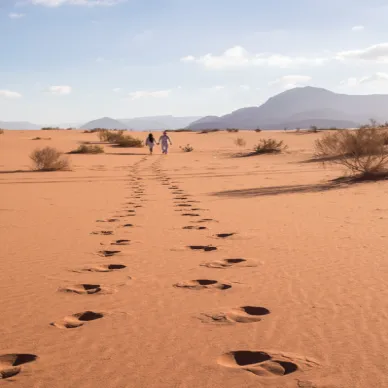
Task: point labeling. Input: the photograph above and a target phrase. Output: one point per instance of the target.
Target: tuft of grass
(362, 152)
(129, 141)
(49, 159)
(88, 149)
(187, 148)
(240, 142)
(269, 146)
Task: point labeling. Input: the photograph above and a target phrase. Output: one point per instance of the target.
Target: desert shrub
(181, 130)
(257, 130)
(233, 130)
(363, 152)
(128, 141)
(88, 149)
(110, 136)
(240, 142)
(313, 128)
(50, 128)
(209, 130)
(49, 159)
(269, 146)
(187, 148)
(1, 131)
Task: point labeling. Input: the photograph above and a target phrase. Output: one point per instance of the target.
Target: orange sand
(307, 309)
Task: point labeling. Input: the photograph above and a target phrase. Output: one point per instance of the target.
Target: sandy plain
(295, 295)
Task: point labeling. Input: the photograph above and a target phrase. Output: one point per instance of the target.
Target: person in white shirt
(164, 140)
(150, 142)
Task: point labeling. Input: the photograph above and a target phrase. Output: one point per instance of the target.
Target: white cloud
(60, 90)
(245, 87)
(13, 15)
(377, 53)
(376, 77)
(89, 3)
(9, 94)
(358, 28)
(189, 58)
(145, 94)
(291, 81)
(116, 90)
(238, 56)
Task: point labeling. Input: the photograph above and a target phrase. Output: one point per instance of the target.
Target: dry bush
(49, 159)
(88, 149)
(233, 130)
(128, 141)
(1, 131)
(187, 148)
(363, 152)
(240, 142)
(110, 136)
(209, 130)
(257, 130)
(269, 146)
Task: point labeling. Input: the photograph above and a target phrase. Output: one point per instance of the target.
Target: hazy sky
(76, 60)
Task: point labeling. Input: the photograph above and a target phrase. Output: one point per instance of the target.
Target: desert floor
(304, 304)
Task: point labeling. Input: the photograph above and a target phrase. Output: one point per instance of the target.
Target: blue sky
(77, 60)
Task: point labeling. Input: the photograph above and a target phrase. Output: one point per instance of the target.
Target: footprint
(121, 242)
(131, 211)
(244, 314)
(77, 320)
(103, 233)
(201, 284)
(10, 364)
(127, 226)
(203, 220)
(105, 268)
(225, 235)
(191, 227)
(108, 253)
(83, 289)
(183, 198)
(206, 248)
(108, 220)
(265, 364)
(190, 215)
(227, 263)
(185, 205)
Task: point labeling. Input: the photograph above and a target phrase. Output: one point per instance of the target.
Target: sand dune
(197, 269)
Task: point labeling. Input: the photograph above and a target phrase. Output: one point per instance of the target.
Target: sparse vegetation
(88, 149)
(1, 131)
(257, 130)
(269, 146)
(49, 159)
(110, 136)
(187, 148)
(240, 142)
(362, 152)
(233, 130)
(128, 141)
(209, 130)
(313, 129)
(50, 128)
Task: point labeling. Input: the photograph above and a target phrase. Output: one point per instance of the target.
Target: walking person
(150, 142)
(164, 140)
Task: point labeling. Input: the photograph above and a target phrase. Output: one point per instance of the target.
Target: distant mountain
(106, 123)
(158, 123)
(303, 107)
(18, 125)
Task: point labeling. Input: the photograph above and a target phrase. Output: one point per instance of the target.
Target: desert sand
(234, 272)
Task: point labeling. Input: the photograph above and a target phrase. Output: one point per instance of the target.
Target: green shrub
(128, 141)
(49, 159)
(363, 152)
(269, 146)
(88, 149)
